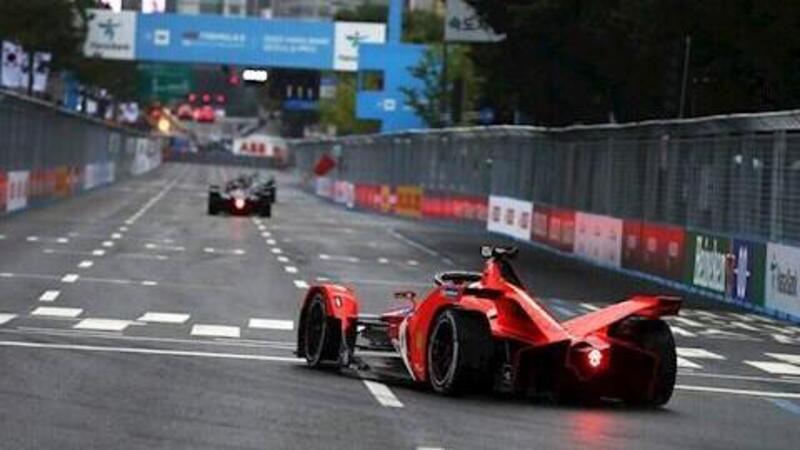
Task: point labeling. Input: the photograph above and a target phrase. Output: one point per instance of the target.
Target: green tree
(340, 111)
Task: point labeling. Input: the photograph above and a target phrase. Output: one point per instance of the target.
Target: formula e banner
(746, 280)
(707, 261)
(655, 249)
(17, 190)
(782, 274)
(510, 217)
(554, 227)
(599, 238)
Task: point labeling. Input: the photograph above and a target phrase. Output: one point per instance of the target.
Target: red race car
(485, 331)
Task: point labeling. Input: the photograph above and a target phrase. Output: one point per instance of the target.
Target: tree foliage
(567, 61)
(340, 111)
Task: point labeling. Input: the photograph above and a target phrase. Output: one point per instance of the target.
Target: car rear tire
(459, 353)
(655, 337)
(321, 341)
(213, 207)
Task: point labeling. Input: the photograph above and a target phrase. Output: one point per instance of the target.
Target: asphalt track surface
(131, 319)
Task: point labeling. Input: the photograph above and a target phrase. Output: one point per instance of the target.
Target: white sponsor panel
(147, 156)
(710, 262)
(344, 192)
(259, 145)
(348, 38)
(17, 190)
(599, 238)
(782, 273)
(111, 35)
(462, 24)
(11, 69)
(99, 174)
(41, 64)
(324, 187)
(510, 216)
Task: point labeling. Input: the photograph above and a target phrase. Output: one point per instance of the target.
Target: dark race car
(484, 330)
(244, 195)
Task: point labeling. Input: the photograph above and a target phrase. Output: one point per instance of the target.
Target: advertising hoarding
(409, 201)
(554, 227)
(348, 37)
(344, 193)
(324, 187)
(510, 216)
(781, 278)
(599, 238)
(260, 145)
(707, 261)
(111, 35)
(17, 190)
(653, 248)
(747, 271)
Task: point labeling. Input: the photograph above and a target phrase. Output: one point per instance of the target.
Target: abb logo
(253, 148)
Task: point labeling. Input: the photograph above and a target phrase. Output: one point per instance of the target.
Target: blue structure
(393, 59)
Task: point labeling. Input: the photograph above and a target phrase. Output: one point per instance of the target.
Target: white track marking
(98, 252)
(107, 244)
(744, 326)
(323, 279)
(5, 318)
(150, 203)
(687, 322)
(383, 394)
(6, 275)
(266, 234)
(116, 236)
(290, 269)
(383, 261)
(148, 351)
(688, 352)
(216, 330)
(686, 364)
(775, 368)
(350, 259)
(262, 228)
(752, 393)
(283, 259)
(271, 242)
(277, 251)
(563, 311)
(324, 256)
(62, 240)
(159, 317)
(85, 264)
(51, 311)
(123, 229)
(788, 357)
(681, 332)
(32, 239)
(102, 324)
(271, 324)
(49, 296)
(2, 236)
(70, 278)
(301, 284)
(149, 283)
(782, 339)
(412, 262)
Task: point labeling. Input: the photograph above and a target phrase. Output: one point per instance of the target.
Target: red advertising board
(454, 207)
(554, 227)
(368, 196)
(652, 248)
(3, 191)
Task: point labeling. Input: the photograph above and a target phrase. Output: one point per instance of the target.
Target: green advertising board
(706, 261)
(164, 82)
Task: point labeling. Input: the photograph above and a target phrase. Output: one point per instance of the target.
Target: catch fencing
(711, 204)
(47, 153)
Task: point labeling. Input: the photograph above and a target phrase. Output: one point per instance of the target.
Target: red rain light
(239, 203)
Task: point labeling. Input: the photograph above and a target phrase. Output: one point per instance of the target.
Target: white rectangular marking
(32, 238)
(775, 368)
(681, 332)
(782, 339)
(266, 234)
(149, 283)
(56, 312)
(102, 324)
(108, 244)
(5, 318)
(215, 330)
(98, 252)
(686, 364)
(301, 284)
(116, 236)
(277, 251)
(158, 317)
(687, 322)
(271, 242)
(411, 262)
(738, 391)
(85, 264)
(383, 394)
(383, 261)
(788, 357)
(290, 269)
(271, 324)
(283, 259)
(70, 278)
(744, 326)
(49, 296)
(62, 240)
(702, 353)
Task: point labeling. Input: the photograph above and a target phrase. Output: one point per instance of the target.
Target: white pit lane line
(216, 331)
(290, 269)
(49, 296)
(383, 394)
(150, 351)
(107, 244)
(70, 278)
(98, 252)
(5, 318)
(747, 392)
(159, 317)
(283, 259)
(271, 324)
(102, 324)
(85, 264)
(51, 311)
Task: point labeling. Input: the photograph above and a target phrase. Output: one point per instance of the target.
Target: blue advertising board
(241, 41)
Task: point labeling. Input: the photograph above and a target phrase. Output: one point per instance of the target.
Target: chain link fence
(738, 175)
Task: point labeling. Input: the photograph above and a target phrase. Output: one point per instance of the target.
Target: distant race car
(483, 330)
(245, 195)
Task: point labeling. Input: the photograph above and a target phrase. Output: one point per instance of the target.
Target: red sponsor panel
(368, 196)
(655, 249)
(554, 227)
(62, 186)
(3, 191)
(469, 207)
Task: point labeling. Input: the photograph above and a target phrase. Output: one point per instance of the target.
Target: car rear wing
(647, 306)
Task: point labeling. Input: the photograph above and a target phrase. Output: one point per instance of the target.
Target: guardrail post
(776, 199)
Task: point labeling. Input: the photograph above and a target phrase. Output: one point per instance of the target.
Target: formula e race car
(484, 331)
(244, 195)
